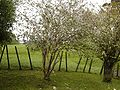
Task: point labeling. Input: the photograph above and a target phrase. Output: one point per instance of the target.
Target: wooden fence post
(117, 70)
(8, 57)
(102, 69)
(29, 58)
(20, 68)
(2, 53)
(78, 64)
(66, 61)
(90, 65)
(85, 65)
(60, 61)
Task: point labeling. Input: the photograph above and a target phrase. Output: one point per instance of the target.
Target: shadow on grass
(23, 80)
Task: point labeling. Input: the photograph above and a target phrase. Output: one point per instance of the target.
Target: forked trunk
(47, 77)
(49, 62)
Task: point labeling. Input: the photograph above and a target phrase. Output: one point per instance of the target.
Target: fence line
(85, 64)
(60, 63)
(90, 66)
(2, 53)
(29, 58)
(20, 68)
(8, 57)
(78, 64)
(66, 61)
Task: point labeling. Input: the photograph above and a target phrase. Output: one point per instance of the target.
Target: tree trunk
(107, 71)
(49, 62)
(47, 76)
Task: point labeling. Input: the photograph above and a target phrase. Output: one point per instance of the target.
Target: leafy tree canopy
(7, 17)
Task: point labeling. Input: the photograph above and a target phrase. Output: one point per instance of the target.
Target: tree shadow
(22, 80)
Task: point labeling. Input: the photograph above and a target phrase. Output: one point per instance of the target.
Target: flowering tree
(54, 27)
(106, 34)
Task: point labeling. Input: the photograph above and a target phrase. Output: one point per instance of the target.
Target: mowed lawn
(26, 79)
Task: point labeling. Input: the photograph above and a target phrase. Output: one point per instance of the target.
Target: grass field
(27, 79)
(37, 60)
(32, 80)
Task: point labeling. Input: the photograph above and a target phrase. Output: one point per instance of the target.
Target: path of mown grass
(32, 80)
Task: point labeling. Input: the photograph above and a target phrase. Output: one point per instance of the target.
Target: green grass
(27, 79)
(35, 56)
(32, 80)
(37, 60)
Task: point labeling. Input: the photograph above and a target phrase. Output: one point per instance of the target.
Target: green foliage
(115, 8)
(7, 17)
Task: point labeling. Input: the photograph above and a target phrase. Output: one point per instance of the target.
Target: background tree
(83, 44)
(106, 34)
(7, 17)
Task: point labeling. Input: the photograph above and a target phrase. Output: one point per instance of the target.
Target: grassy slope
(32, 80)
